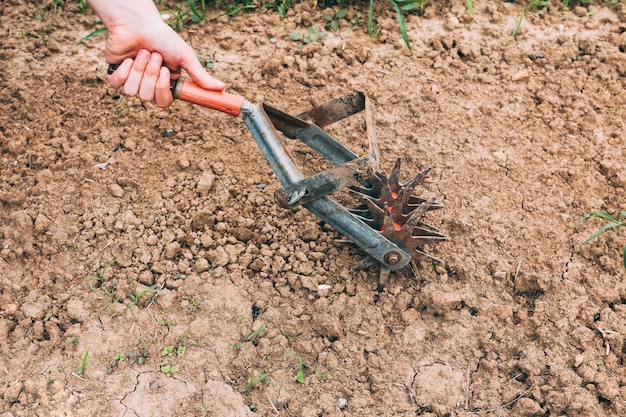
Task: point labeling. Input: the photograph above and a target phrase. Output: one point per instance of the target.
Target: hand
(144, 76)
(150, 52)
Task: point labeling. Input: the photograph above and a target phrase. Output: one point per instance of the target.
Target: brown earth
(524, 136)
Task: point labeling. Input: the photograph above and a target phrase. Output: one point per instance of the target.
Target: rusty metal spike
(394, 177)
(410, 185)
(391, 207)
(417, 214)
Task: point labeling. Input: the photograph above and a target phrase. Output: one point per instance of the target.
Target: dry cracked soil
(145, 269)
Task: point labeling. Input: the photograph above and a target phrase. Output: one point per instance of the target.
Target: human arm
(148, 50)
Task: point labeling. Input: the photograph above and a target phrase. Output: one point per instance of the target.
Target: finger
(199, 75)
(131, 86)
(119, 76)
(150, 75)
(162, 95)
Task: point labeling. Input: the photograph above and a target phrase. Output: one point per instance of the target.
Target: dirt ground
(145, 269)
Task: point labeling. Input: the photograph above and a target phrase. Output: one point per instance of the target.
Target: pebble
(521, 76)
(578, 360)
(342, 403)
(116, 190)
(205, 183)
(451, 22)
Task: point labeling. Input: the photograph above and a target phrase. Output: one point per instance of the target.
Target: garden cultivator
(387, 225)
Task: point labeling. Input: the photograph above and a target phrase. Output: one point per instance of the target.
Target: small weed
(189, 305)
(321, 375)
(197, 343)
(108, 295)
(282, 7)
(299, 377)
(254, 336)
(177, 349)
(83, 364)
(206, 411)
(165, 322)
(333, 19)
(93, 34)
(209, 63)
(138, 356)
(168, 369)
(100, 272)
(73, 341)
(401, 6)
(136, 295)
(312, 34)
(192, 12)
(534, 4)
(255, 380)
(612, 222)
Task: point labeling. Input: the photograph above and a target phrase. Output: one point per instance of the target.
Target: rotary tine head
(391, 208)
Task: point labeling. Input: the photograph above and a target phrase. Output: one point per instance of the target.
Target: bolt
(281, 199)
(392, 258)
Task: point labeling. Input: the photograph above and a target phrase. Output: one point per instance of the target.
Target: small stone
(342, 403)
(323, 290)
(310, 283)
(202, 265)
(116, 190)
(201, 220)
(218, 257)
(76, 310)
(12, 393)
(172, 250)
(41, 223)
(522, 75)
(243, 234)
(578, 360)
(499, 156)
(289, 60)
(205, 183)
(451, 22)
(183, 162)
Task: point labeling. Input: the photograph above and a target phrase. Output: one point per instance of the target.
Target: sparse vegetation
(83, 364)
(255, 335)
(299, 377)
(168, 369)
(256, 379)
(107, 292)
(611, 222)
(137, 293)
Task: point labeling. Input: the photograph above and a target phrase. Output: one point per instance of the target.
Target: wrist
(117, 13)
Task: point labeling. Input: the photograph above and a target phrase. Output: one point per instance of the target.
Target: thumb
(199, 75)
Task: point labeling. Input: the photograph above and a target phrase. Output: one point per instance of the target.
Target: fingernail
(143, 56)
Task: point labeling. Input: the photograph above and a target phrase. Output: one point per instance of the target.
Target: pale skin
(149, 52)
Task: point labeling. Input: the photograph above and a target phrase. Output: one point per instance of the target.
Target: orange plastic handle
(191, 92)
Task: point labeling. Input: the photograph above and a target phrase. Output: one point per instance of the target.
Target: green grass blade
(370, 19)
(83, 365)
(519, 22)
(402, 25)
(604, 216)
(599, 232)
(92, 34)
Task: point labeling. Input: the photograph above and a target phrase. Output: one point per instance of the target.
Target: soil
(145, 269)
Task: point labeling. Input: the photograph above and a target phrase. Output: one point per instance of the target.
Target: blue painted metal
(264, 133)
